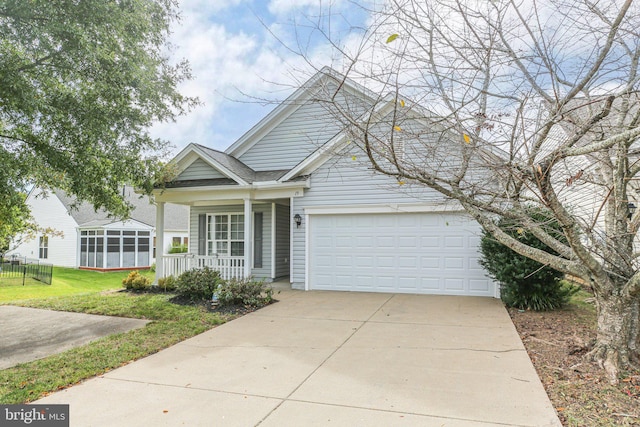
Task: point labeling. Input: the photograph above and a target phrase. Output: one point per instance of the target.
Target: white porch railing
(228, 266)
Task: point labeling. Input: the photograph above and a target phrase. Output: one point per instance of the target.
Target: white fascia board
(130, 224)
(315, 159)
(261, 191)
(326, 151)
(213, 163)
(274, 118)
(449, 206)
(276, 184)
(290, 105)
(192, 152)
(184, 153)
(188, 195)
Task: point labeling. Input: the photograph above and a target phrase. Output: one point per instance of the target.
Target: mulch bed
(556, 342)
(235, 310)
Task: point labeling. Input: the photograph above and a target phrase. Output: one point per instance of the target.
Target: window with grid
(225, 234)
(43, 252)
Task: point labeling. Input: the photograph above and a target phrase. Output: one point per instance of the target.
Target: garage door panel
(343, 261)
(429, 263)
(385, 262)
(385, 283)
(432, 253)
(410, 242)
(429, 284)
(324, 261)
(385, 242)
(405, 262)
(454, 284)
(430, 242)
(364, 242)
(324, 241)
(408, 284)
(451, 242)
(478, 286)
(364, 261)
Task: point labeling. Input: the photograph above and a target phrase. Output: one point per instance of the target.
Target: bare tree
(502, 105)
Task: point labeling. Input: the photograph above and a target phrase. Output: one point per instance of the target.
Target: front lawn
(171, 323)
(66, 281)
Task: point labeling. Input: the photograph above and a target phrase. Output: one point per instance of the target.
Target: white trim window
(43, 247)
(225, 234)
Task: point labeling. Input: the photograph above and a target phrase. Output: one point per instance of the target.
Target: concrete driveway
(331, 358)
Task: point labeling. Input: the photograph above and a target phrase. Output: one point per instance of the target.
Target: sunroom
(115, 245)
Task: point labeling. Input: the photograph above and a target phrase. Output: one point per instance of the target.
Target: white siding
(199, 169)
(49, 212)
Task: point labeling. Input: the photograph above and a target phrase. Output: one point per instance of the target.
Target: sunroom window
(225, 235)
(116, 249)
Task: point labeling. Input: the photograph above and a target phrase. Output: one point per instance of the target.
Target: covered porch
(228, 266)
(239, 237)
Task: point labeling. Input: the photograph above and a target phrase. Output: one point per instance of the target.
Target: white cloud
(240, 70)
(283, 7)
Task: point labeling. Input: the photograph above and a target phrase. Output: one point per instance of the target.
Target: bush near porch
(205, 284)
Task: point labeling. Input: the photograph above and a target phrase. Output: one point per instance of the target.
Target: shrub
(167, 284)
(198, 284)
(246, 292)
(136, 281)
(178, 249)
(525, 283)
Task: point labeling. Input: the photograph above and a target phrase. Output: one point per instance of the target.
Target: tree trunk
(616, 346)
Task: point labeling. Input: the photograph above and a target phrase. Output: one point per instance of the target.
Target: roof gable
(222, 164)
(199, 169)
(312, 123)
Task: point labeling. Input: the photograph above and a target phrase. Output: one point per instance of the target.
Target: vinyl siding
(293, 140)
(199, 169)
(265, 208)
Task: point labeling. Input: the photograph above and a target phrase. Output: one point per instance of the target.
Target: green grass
(66, 281)
(171, 323)
(82, 291)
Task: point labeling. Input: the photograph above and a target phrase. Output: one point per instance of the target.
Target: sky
(245, 57)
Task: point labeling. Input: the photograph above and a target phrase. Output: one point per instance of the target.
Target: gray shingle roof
(231, 163)
(176, 217)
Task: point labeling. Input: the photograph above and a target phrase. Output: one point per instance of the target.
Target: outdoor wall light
(298, 219)
(632, 209)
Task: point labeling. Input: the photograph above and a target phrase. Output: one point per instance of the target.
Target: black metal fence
(23, 268)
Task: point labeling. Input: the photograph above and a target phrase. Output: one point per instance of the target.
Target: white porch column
(248, 237)
(159, 240)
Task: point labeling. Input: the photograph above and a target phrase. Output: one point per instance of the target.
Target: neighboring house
(94, 240)
(288, 200)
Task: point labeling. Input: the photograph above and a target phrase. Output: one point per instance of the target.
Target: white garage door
(427, 253)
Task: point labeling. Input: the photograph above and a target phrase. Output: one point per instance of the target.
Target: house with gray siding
(293, 200)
